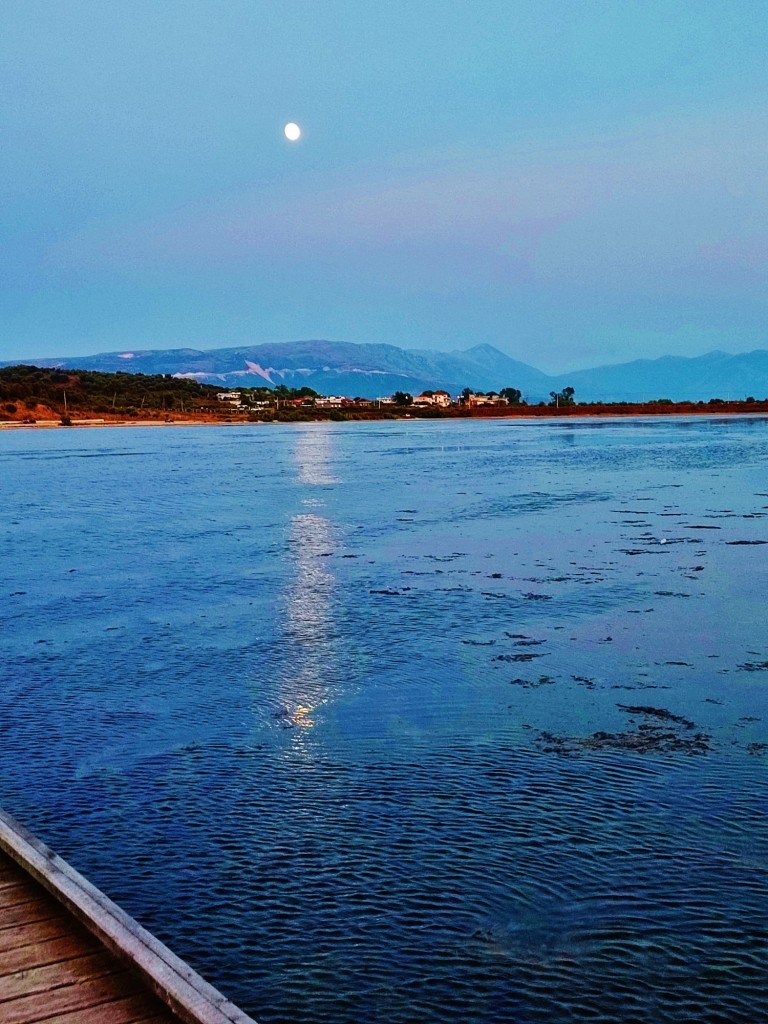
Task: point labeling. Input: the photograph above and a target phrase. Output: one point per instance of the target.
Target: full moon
(292, 132)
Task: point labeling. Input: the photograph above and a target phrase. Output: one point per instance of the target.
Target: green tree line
(28, 386)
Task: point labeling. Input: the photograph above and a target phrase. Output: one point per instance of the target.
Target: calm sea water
(349, 714)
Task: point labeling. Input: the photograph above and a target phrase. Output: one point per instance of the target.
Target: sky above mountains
(572, 182)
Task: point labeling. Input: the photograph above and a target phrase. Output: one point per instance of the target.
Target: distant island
(45, 396)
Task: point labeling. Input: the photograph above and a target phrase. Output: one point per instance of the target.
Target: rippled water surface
(448, 722)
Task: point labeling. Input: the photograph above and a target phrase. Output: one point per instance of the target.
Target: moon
(292, 132)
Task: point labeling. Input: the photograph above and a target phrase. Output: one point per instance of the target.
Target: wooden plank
(40, 910)
(9, 871)
(7, 866)
(40, 954)
(35, 932)
(134, 1010)
(18, 893)
(9, 878)
(180, 988)
(69, 999)
(58, 975)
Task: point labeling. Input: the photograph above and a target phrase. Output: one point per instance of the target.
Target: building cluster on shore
(43, 396)
(31, 394)
(426, 400)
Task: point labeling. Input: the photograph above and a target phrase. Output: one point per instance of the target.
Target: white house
(475, 400)
(330, 402)
(231, 397)
(438, 398)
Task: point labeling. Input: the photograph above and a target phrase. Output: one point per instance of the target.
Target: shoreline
(496, 414)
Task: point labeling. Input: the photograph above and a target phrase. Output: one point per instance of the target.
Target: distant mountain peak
(484, 347)
(374, 370)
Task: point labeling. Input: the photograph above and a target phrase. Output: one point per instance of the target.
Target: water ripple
(291, 732)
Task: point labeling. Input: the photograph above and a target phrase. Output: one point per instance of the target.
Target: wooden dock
(68, 955)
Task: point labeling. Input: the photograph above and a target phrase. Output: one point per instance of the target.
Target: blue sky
(574, 182)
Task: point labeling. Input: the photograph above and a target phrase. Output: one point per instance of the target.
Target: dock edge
(188, 995)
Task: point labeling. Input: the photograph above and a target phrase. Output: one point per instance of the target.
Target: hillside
(35, 392)
(714, 375)
(372, 371)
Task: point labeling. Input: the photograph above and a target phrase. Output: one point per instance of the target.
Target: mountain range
(371, 371)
